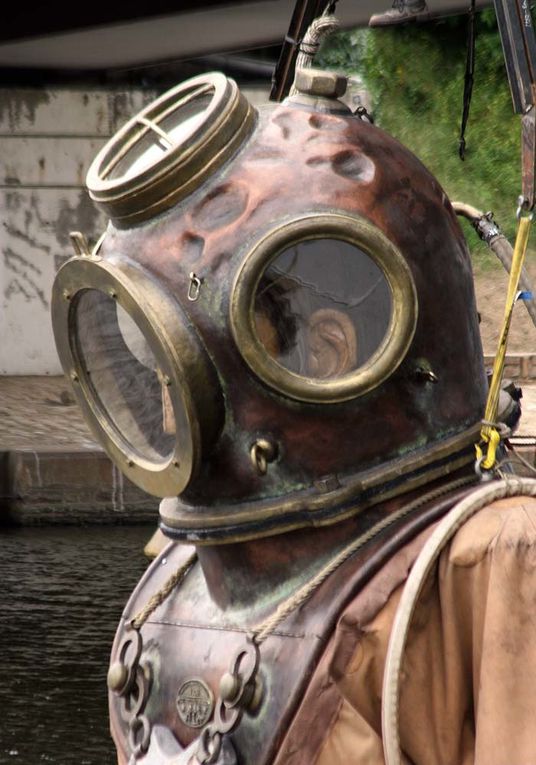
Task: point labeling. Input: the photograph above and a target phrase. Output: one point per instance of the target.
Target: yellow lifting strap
(489, 435)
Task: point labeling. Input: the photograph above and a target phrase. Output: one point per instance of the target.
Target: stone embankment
(51, 468)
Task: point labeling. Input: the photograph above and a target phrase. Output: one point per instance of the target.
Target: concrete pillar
(48, 139)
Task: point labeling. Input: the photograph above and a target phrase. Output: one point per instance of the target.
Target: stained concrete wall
(48, 139)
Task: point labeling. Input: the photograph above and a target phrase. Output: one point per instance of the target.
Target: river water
(61, 595)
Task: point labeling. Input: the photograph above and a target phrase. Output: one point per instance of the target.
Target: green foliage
(415, 74)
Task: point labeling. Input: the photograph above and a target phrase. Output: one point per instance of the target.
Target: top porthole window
(170, 148)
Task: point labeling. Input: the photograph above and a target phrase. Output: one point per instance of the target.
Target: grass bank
(415, 75)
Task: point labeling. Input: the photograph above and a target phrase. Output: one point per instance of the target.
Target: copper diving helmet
(278, 328)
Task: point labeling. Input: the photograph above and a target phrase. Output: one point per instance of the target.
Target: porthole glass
(124, 375)
(322, 308)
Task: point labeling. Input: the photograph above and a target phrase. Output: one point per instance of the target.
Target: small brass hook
(423, 373)
(195, 287)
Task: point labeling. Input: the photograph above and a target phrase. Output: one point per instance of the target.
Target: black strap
(469, 77)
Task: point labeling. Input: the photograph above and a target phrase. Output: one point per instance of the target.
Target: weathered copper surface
(299, 161)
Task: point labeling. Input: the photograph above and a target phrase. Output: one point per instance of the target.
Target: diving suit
(277, 335)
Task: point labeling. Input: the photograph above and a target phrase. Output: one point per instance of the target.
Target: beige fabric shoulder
(468, 692)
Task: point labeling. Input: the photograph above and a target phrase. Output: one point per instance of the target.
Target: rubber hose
(502, 248)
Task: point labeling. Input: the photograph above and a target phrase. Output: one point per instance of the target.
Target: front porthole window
(324, 308)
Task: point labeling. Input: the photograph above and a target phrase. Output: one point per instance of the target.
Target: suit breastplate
(189, 643)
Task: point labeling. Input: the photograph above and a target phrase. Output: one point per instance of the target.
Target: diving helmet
(278, 328)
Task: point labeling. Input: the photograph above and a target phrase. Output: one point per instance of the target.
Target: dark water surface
(61, 595)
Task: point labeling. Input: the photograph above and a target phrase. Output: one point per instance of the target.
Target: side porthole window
(324, 308)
